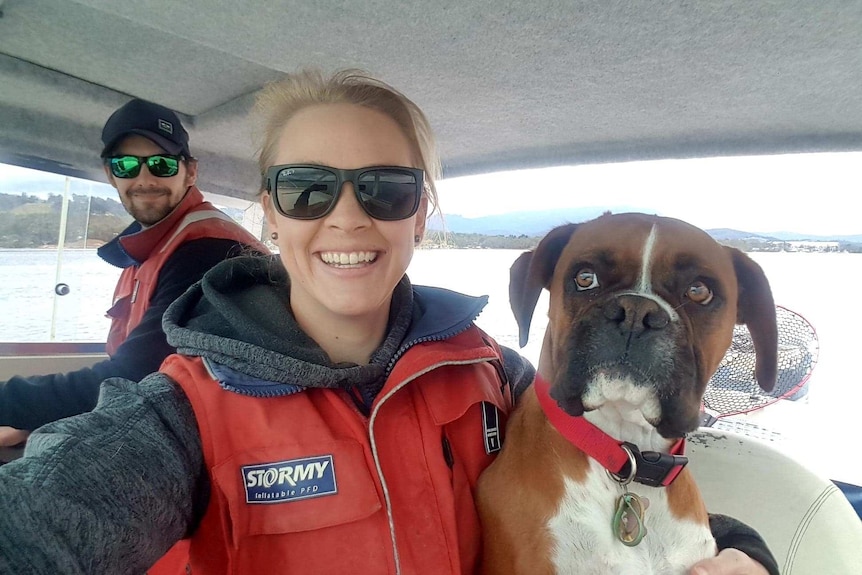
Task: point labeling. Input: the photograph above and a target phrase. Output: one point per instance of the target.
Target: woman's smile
(348, 259)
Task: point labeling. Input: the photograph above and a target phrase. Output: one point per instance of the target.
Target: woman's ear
(269, 212)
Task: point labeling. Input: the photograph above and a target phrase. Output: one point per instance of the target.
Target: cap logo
(166, 126)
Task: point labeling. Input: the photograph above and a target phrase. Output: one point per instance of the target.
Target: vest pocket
(292, 488)
(449, 399)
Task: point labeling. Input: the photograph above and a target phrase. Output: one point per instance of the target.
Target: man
(175, 238)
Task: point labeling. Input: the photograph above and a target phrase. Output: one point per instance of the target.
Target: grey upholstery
(507, 84)
(806, 520)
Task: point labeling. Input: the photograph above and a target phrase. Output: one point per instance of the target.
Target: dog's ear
(533, 271)
(756, 310)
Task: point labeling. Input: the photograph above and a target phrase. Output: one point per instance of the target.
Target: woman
(323, 414)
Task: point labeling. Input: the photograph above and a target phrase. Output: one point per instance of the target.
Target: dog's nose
(635, 313)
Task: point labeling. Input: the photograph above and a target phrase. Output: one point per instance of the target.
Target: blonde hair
(278, 102)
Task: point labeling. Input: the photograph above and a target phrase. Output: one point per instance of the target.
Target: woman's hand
(10, 437)
(728, 562)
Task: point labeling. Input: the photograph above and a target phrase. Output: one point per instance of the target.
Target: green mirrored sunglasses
(159, 165)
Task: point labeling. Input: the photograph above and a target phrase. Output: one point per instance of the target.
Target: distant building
(811, 246)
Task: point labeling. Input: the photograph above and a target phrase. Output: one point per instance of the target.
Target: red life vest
(305, 483)
(192, 219)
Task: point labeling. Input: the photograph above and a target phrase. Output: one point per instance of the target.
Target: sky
(817, 194)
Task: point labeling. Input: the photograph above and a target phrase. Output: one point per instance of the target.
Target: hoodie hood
(238, 319)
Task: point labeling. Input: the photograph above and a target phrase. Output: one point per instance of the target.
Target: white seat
(805, 519)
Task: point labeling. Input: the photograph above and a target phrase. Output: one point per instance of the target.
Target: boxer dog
(591, 477)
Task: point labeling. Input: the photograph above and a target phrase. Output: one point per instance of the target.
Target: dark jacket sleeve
(731, 533)
(519, 371)
(108, 491)
(29, 402)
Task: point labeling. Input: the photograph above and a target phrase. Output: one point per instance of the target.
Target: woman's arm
(519, 371)
(107, 491)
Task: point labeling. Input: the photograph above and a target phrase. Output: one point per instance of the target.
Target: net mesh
(734, 390)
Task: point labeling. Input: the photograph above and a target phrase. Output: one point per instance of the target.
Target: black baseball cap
(156, 123)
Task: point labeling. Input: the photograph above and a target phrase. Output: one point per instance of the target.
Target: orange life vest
(193, 218)
(305, 483)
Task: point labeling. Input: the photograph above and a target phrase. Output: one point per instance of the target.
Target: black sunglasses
(304, 192)
(159, 165)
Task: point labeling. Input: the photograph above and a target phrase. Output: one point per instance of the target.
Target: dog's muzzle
(633, 338)
(629, 340)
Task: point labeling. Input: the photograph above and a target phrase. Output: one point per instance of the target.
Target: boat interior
(507, 85)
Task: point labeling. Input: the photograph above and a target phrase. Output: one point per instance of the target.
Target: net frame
(733, 389)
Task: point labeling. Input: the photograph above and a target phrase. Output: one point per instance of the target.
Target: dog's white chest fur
(585, 544)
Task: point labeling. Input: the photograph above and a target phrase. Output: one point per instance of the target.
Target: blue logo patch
(290, 480)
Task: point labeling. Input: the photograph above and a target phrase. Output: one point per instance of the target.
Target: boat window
(54, 286)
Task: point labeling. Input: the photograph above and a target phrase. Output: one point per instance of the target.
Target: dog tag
(628, 523)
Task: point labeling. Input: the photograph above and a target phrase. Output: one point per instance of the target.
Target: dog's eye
(699, 292)
(586, 279)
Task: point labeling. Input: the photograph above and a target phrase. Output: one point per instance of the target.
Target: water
(814, 285)
(30, 309)
(820, 286)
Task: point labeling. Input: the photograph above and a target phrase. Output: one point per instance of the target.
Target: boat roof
(506, 84)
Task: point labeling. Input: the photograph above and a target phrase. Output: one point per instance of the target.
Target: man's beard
(151, 206)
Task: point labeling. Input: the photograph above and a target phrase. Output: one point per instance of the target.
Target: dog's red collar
(651, 467)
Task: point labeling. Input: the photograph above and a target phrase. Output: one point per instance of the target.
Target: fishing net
(733, 389)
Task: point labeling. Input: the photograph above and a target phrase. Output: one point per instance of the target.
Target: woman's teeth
(348, 258)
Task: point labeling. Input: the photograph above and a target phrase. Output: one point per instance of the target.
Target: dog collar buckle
(652, 468)
(623, 460)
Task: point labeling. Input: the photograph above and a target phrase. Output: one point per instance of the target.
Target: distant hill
(796, 236)
(30, 221)
(540, 222)
(51, 184)
(725, 234)
(520, 223)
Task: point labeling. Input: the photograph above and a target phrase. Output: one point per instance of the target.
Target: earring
(274, 236)
(416, 239)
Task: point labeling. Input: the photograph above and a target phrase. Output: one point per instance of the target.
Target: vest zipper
(373, 417)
